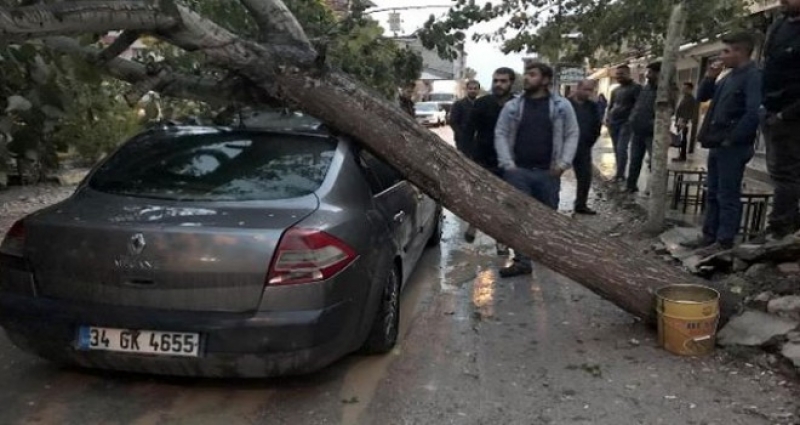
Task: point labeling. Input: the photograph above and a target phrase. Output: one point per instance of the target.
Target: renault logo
(137, 244)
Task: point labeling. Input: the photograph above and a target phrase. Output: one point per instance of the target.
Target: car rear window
(234, 166)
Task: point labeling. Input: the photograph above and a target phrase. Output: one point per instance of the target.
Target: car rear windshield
(427, 107)
(234, 166)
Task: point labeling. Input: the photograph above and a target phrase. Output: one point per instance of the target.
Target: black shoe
(679, 159)
(585, 211)
(619, 179)
(632, 190)
(713, 249)
(700, 242)
(516, 269)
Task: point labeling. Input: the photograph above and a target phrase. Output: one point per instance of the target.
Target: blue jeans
(726, 168)
(641, 144)
(541, 186)
(620, 139)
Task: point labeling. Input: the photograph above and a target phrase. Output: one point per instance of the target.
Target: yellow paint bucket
(687, 319)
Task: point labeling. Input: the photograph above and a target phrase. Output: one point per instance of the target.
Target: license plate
(184, 344)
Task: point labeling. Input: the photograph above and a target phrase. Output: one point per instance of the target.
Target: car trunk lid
(163, 255)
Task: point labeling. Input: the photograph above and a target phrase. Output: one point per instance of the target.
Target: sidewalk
(603, 157)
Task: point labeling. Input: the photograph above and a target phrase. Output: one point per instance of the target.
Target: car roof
(198, 130)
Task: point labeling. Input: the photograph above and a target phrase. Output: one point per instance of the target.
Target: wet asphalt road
(474, 349)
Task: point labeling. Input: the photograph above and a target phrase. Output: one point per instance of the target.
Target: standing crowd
(532, 138)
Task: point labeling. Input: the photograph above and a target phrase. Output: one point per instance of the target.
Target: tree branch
(119, 46)
(172, 84)
(80, 17)
(277, 23)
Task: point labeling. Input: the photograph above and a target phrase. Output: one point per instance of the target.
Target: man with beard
(536, 139)
(589, 121)
(781, 127)
(480, 131)
(641, 124)
(619, 111)
(459, 115)
(728, 132)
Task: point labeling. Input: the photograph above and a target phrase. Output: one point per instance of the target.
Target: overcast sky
(483, 57)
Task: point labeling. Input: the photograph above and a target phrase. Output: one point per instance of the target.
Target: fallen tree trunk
(291, 72)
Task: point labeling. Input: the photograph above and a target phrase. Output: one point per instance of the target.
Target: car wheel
(436, 236)
(386, 325)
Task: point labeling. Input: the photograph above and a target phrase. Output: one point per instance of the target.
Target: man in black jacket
(619, 111)
(728, 132)
(782, 119)
(480, 130)
(641, 122)
(459, 115)
(589, 121)
(685, 115)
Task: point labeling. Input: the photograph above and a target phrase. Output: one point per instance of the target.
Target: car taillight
(14, 242)
(308, 255)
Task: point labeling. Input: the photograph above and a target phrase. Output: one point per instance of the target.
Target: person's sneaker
(469, 235)
(619, 179)
(696, 243)
(585, 211)
(713, 249)
(502, 250)
(515, 269)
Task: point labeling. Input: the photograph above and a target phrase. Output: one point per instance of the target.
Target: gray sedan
(211, 251)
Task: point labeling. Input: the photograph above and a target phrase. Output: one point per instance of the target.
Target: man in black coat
(480, 130)
(459, 116)
(589, 121)
(781, 126)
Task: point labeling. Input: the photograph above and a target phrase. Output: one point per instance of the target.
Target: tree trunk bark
(607, 266)
(657, 204)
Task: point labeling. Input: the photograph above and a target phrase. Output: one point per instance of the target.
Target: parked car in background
(430, 113)
(222, 252)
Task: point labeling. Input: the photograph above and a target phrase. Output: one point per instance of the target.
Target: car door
(396, 200)
(426, 214)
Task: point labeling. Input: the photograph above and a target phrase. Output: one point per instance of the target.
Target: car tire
(386, 325)
(436, 236)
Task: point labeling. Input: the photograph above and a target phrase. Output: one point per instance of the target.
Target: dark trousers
(620, 139)
(541, 186)
(684, 138)
(724, 197)
(783, 163)
(641, 145)
(582, 165)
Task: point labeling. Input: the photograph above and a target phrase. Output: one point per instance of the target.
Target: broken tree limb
(122, 43)
(80, 17)
(175, 85)
(276, 22)
(156, 78)
(609, 267)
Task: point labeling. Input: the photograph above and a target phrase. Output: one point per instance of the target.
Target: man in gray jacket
(536, 138)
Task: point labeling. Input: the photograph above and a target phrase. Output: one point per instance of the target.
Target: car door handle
(400, 217)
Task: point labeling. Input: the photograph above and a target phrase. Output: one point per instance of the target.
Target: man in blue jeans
(729, 132)
(536, 139)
